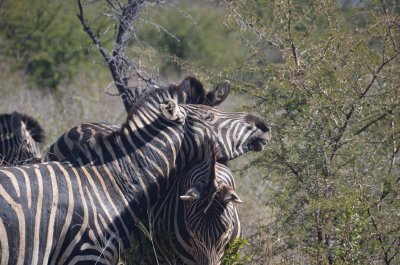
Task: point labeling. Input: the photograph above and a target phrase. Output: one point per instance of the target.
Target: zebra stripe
(94, 204)
(19, 136)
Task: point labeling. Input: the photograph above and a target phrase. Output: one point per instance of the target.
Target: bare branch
(349, 114)
(89, 31)
(292, 45)
(117, 62)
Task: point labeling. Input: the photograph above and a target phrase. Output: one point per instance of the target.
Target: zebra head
(19, 135)
(209, 211)
(236, 132)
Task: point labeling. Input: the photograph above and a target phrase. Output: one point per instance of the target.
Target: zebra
(67, 213)
(19, 136)
(71, 146)
(196, 220)
(189, 91)
(236, 136)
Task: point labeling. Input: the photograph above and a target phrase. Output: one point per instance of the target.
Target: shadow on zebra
(60, 212)
(19, 139)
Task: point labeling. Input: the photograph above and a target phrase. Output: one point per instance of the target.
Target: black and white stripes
(235, 133)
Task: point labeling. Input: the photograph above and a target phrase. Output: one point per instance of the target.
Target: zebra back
(19, 138)
(75, 143)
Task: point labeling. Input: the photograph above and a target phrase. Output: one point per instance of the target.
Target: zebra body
(19, 138)
(223, 220)
(67, 213)
(92, 207)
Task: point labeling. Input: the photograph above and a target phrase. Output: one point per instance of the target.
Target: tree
(326, 75)
(118, 63)
(189, 36)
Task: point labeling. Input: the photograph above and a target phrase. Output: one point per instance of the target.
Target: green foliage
(194, 33)
(45, 39)
(233, 256)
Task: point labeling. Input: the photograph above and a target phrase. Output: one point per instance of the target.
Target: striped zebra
(73, 144)
(69, 213)
(19, 138)
(196, 220)
(189, 91)
(237, 135)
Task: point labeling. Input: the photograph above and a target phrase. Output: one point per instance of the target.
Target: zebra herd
(82, 204)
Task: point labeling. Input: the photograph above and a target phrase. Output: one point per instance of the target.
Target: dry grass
(83, 99)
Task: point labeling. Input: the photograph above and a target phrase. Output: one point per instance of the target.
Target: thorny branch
(389, 26)
(349, 114)
(385, 252)
(293, 47)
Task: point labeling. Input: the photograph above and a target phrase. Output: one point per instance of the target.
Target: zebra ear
(231, 196)
(218, 94)
(171, 111)
(191, 195)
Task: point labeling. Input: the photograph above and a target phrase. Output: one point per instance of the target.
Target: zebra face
(236, 133)
(212, 220)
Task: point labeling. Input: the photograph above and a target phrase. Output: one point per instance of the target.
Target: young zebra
(63, 213)
(19, 138)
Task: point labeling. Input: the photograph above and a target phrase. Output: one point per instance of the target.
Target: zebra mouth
(257, 144)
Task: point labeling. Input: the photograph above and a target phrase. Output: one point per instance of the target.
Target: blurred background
(324, 74)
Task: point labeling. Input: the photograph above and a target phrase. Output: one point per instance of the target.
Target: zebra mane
(194, 90)
(36, 131)
(190, 89)
(33, 127)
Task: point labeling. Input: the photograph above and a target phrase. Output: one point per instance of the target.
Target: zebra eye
(249, 127)
(209, 116)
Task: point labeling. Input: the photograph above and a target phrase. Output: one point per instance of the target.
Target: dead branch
(117, 61)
